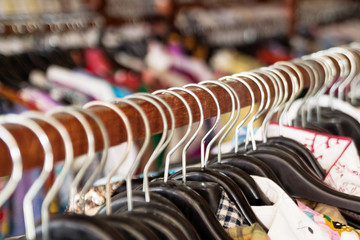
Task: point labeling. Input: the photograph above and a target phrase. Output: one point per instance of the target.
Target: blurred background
(62, 52)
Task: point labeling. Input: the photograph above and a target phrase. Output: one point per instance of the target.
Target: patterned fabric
(284, 219)
(253, 232)
(335, 230)
(331, 211)
(337, 155)
(94, 198)
(227, 214)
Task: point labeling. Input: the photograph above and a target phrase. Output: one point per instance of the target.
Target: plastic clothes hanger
(249, 164)
(159, 148)
(116, 221)
(300, 149)
(15, 154)
(320, 124)
(242, 179)
(299, 183)
(205, 174)
(131, 228)
(258, 112)
(28, 213)
(335, 121)
(265, 146)
(66, 226)
(236, 175)
(302, 154)
(269, 146)
(193, 206)
(166, 216)
(355, 83)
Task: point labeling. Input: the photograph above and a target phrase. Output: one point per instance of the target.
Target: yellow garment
(341, 228)
(253, 232)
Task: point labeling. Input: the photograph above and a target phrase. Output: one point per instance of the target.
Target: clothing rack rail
(32, 152)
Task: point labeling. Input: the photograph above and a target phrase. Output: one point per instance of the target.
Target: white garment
(90, 85)
(284, 219)
(325, 101)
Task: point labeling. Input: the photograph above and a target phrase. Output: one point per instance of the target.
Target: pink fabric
(319, 219)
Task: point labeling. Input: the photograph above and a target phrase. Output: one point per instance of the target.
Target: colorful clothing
(284, 219)
(253, 232)
(331, 211)
(335, 230)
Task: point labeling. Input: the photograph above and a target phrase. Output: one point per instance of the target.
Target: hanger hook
(295, 90)
(161, 145)
(353, 69)
(285, 94)
(314, 78)
(310, 70)
(218, 114)
(201, 122)
(187, 133)
(227, 89)
(278, 97)
(15, 154)
(268, 94)
(100, 167)
(141, 151)
(129, 145)
(356, 47)
(322, 58)
(75, 112)
(250, 130)
(238, 109)
(28, 210)
(69, 156)
(252, 96)
(297, 84)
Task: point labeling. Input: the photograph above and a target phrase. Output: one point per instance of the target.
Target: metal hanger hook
(191, 140)
(16, 159)
(236, 149)
(227, 89)
(187, 133)
(129, 145)
(218, 114)
(142, 149)
(69, 157)
(75, 112)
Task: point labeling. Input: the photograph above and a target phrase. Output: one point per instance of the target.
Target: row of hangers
(176, 206)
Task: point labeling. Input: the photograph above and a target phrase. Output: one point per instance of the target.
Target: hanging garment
(228, 215)
(337, 156)
(284, 219)
(331, 211)
(335, 230)
(253, 232)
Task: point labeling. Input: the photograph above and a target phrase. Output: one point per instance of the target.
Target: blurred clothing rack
(32, 153)
(43, 23)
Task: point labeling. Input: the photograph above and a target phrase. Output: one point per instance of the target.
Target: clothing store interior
(180, 119)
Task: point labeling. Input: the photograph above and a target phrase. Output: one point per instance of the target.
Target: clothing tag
(337, 155)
